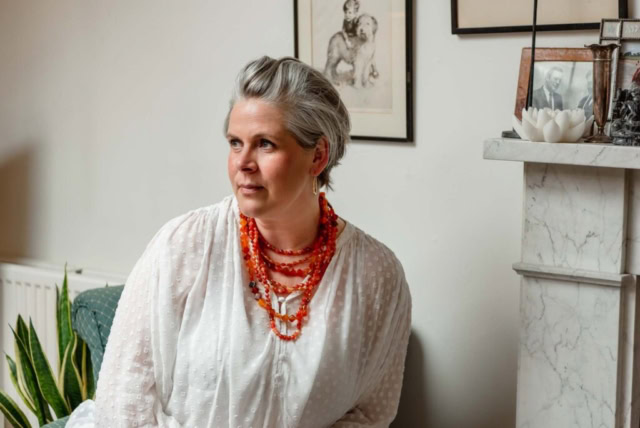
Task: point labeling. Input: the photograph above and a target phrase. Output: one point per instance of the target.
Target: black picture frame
(406, 69)
(623, 12)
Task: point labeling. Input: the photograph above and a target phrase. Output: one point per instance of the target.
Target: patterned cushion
(59, 423)
(92, 314)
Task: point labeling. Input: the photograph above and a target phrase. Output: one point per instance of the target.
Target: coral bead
(260, 266)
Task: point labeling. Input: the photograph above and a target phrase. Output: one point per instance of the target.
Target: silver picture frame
(626, 33)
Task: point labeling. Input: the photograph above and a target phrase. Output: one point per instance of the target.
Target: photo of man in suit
(547, 95)
(586, 102)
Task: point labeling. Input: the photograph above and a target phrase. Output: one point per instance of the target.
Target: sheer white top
(190, 347)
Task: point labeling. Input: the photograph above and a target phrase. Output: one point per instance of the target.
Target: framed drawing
(365, 49)
(502, 16)
(563, 79)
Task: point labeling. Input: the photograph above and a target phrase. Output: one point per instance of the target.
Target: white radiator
(28, 288)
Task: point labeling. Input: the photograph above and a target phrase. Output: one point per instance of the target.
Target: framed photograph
(625, 62)
(502, 16)
(563, 79)
(364, 48)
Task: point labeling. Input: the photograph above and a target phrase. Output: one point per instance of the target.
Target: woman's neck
(294, 230)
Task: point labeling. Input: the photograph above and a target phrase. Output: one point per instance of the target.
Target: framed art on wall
(501, 16)
(364, 48)
(563, 79)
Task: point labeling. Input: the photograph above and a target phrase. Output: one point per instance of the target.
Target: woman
(266, 309)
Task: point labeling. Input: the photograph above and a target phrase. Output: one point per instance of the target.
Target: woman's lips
(246, 189)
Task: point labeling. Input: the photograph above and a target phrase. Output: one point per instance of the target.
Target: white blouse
(190, 347)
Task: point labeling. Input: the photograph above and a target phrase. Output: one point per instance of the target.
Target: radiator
(28, 288)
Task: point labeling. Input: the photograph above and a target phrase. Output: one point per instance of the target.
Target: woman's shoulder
(373, 252)
(178, 247)
(197, 218)
(187, 229)
(379, 277)
(378, 264)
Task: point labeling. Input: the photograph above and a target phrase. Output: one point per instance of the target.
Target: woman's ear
(320, 156)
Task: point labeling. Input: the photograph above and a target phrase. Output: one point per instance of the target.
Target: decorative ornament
(601, 88)
(625, 128)
(552, 126)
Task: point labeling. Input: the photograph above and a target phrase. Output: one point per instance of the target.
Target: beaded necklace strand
(260, 265)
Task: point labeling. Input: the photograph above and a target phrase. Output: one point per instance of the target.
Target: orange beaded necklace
(259, 265)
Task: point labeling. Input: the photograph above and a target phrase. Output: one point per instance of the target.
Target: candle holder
(601, 89)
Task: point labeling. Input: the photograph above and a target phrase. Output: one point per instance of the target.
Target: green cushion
(92, 314)
(59, 423)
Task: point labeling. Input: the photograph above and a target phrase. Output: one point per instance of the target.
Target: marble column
(578, 357)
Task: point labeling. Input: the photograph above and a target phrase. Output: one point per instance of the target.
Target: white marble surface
(568, 357)
(628, 367)
(573, 275)
(633, 223)
(579, 359)
(574, 217)
(604, 155)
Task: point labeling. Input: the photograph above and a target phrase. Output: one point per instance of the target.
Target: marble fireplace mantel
(579, 359)
(605, 155)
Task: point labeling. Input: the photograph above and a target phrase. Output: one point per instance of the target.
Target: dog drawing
(360, 54)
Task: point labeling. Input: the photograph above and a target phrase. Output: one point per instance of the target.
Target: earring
(314, 187)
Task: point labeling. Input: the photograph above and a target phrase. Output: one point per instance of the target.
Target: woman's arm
(136, 377)
(126, 390)
(137, 371)
(378, 404)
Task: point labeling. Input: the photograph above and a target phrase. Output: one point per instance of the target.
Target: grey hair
(312, 107)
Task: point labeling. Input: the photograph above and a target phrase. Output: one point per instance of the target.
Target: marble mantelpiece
(606, 155)
(578, 360)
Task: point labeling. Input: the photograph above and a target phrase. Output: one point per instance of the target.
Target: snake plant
(33, 378)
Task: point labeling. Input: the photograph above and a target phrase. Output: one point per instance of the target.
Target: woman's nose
(245, 160)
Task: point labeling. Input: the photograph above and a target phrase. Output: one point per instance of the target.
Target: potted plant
(33, 378)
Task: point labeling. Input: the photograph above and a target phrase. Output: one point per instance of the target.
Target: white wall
(110, 124)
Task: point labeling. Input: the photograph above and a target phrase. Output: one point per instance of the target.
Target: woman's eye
(235, 143)
(266, 144)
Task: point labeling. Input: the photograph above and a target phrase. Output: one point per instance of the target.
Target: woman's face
(269, 171)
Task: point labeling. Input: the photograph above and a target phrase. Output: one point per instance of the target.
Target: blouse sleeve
(126, 390)
(132, 385)
(378, 404)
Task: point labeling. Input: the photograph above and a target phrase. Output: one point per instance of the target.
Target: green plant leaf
(63, 321)
(27, 379)
(13, 373)
(45, 377)
(77, 357)
(12, 412)
(47, 412)
(70, 378)
(86, 370)
(84, 367)
(58, 333)
(23, 331)
(90, 380)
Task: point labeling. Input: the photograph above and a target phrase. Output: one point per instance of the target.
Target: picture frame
(575, 65)
(505, 16)
(373, 72)
(625, 61)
